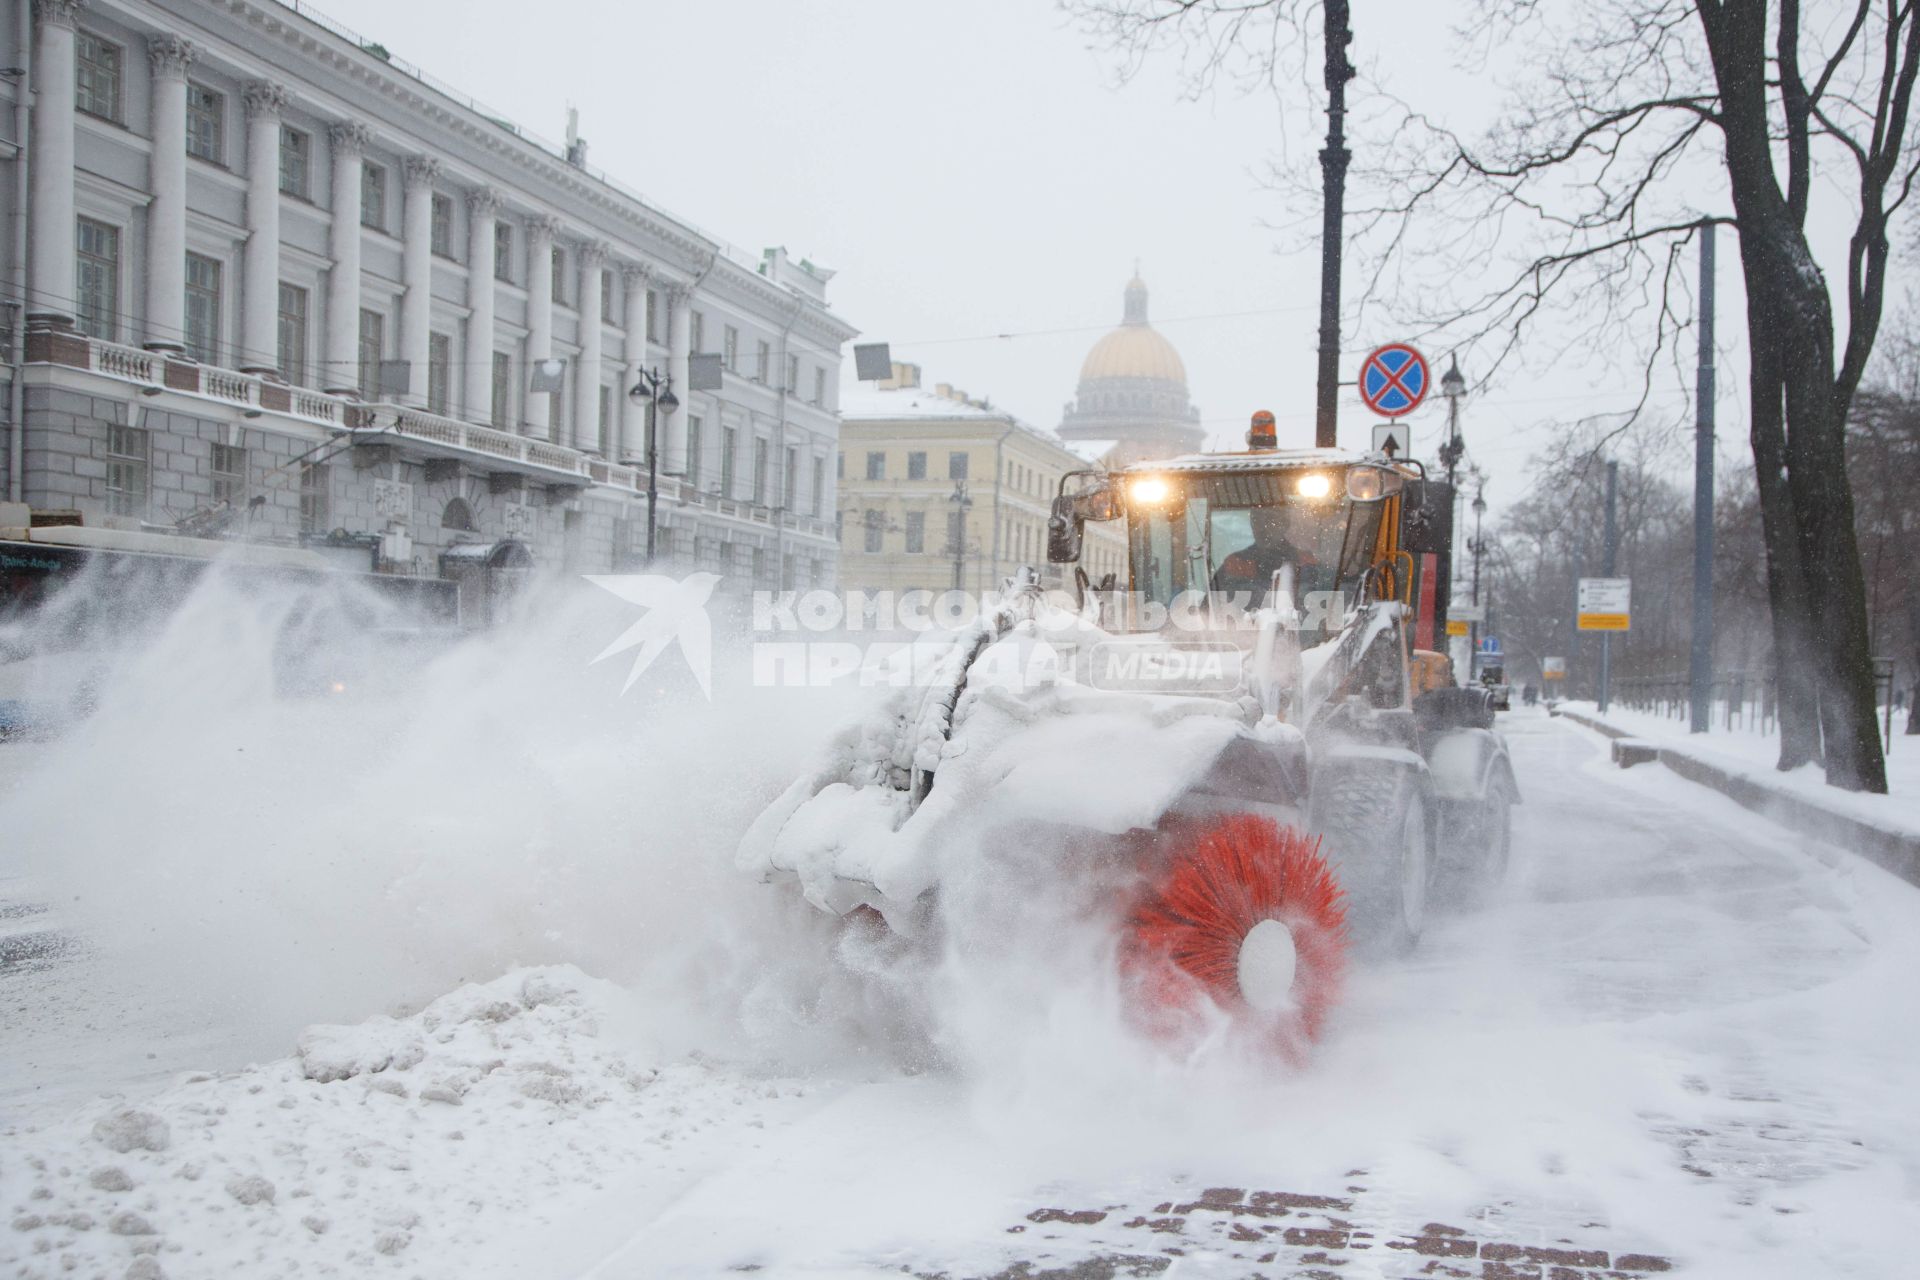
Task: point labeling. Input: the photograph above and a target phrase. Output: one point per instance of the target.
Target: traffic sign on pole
(1553, 668)
(1394, 380)
(1390, 438)
(1606, 604)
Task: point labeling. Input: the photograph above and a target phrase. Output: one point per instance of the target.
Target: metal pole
(1608, 550)
(653, 473)
(1333, 169)
(1700, 668)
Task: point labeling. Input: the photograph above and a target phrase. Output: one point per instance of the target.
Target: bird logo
(676, 613)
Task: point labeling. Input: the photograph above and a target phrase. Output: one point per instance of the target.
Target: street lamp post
(957, 532)
(657, 390)
(1453, 386)
(1477, 546)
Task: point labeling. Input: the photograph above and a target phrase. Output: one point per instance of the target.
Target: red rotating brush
(1247, 912)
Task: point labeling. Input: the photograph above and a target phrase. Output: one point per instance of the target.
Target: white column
(540, 234)
(672, 428)
(586, 399)
(50, 280)
(341, 373)
(633, 413)
(483, 205)
(169, 57)
(260, 264)
(416, 272)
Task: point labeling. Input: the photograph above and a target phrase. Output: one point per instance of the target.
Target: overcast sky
(972, 168)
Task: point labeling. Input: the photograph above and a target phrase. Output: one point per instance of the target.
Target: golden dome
(1134, 351)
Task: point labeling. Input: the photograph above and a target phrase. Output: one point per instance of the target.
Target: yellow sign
(1455, 627)
(1553, 675)
(1603, 622)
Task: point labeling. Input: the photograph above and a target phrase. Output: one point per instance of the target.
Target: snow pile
(440, 1140)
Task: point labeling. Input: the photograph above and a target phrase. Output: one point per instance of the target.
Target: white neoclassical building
(271, 280)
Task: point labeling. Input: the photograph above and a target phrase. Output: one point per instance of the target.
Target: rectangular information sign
(1605, 604)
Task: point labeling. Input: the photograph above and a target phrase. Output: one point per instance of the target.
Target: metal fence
(1739, 699)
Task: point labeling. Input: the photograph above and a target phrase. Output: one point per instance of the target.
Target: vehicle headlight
(1365, 484)
(1149, 490)
(1314, 484)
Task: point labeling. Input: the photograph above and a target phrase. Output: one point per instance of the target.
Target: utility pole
(1608, 551)
(1333, 172)
(1700, 666)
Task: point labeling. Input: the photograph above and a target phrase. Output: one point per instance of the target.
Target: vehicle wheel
(1379, 829)
(1245, 913)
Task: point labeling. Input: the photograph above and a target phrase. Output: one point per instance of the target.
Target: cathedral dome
(1133, 389)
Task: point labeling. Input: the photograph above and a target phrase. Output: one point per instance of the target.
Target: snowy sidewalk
(1883, 829)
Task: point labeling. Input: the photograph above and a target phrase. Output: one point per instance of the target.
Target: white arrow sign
(1388, 439)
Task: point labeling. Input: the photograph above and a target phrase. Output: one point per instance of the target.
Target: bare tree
(1643, 120)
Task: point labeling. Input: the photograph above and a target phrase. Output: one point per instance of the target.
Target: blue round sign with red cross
(1394, 380)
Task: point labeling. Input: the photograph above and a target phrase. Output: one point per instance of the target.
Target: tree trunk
(1787, 597)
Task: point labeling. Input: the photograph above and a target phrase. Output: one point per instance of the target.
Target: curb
(1891, 850)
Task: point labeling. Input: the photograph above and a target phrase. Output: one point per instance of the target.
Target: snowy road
(1679, 1037)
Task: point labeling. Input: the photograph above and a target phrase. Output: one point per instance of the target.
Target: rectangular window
(441, 220)
(820, 386)
(203, 309)
(956, 466)
(840, 465)
(693, 451)
(316, 506)
(876, 532)
(206, 123)
(293, 334)
(729, 446)
(730, 349)
(559, 274)
(793, 374)
(373, 347)
(916, 466)
(916, 532)
(760, 471)
(607, 311)
(229, 469)
(502, 390)
(295, 159)
(373, 196)
(96, 83)
(790, 481)
(876, 466)
(606, 421)
(697, 329)
(439, 372)
(763, 363)
(819, 485)
(503, 252)
(127, 454)
(96, 278)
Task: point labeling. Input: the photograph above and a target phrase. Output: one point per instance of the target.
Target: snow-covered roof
(873, 403)
(1261, 460)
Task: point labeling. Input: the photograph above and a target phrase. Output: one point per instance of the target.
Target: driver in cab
(1252, 567)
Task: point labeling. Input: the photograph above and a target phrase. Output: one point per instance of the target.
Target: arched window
(458, 516)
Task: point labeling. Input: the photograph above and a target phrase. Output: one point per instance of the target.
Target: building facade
(272, 281)
(940, 491)
(1131, 403)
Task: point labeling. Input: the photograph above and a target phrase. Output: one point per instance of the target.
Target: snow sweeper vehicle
(1248, 742)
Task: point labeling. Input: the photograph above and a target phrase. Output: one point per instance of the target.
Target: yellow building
(938, 490)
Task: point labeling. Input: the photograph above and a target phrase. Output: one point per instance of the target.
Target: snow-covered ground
(1743, 746)
(1676, 1036)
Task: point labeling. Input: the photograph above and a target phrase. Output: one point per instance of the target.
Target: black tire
(1378, 827)
(1495, 831)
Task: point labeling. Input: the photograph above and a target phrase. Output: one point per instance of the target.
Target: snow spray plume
(231, 829)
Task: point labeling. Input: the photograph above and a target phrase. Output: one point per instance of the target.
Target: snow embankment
(451, 1139)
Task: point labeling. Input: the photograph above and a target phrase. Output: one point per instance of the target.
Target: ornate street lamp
(657, 391)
